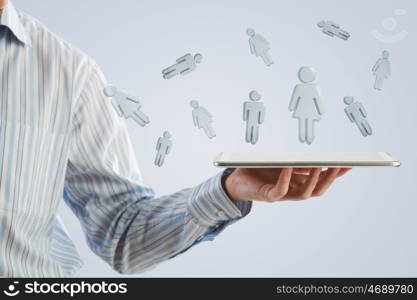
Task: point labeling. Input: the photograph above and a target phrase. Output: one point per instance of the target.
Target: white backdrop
(365, 225)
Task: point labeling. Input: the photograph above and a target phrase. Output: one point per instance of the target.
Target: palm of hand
(274, 184)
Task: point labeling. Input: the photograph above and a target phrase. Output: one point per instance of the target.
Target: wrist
(229, 187)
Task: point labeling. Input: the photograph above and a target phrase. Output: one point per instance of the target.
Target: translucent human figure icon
(259, 46)
(126, 106)
(306, 104)
(332, 29)
(254, 115)
(202, 118)
(163, 147)
(357, 114)
(381, 70)
(184, 65)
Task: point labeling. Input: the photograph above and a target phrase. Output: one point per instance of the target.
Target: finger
(310, 184)
(302, 171)
(343, 171)
(299, 179)
(283, 183)
(325, 181)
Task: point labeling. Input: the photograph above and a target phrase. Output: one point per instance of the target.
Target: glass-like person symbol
(163, 147)
(259, 46)
(126, 106)
(254, 116)
(306, 104)
(184, 65)
(332, 29)
(381, 70)
(202, 118)
(357, 114)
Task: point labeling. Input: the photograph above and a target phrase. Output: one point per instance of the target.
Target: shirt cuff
(210, 206)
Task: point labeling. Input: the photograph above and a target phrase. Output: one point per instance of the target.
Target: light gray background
(365, 225)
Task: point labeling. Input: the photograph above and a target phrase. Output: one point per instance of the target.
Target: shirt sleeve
(125, 224)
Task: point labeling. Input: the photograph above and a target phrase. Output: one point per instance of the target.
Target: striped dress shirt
(61, 139)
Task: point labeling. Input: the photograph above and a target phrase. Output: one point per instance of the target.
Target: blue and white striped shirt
(61, 139)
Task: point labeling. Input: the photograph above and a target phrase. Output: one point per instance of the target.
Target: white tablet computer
(305, 160)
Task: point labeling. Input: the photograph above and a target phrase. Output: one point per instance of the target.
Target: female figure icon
(202, 118)
(259, 46)
(306, 104)
(381, 70)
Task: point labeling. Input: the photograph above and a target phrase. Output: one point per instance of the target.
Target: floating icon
(357, 114)
(163, 147)
(202, 118)
(259, 46)
(306, 104)
(332, 29)
(184, 65)
(126, 106)
(381, 70)
(253, 115)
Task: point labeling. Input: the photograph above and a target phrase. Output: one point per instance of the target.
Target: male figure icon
(357, 114)
(202, 118)
(332, 29)
(254, 115)
(185, 65)
(259, 46)
(306, 104)
(126, 106)
(381, 70)
(163, 147)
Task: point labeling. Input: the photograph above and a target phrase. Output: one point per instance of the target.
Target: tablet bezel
(389, 161)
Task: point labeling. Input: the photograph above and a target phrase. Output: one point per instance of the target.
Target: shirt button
(221, 214)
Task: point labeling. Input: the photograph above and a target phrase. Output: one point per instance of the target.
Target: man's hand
(3, 4)
(275, 184)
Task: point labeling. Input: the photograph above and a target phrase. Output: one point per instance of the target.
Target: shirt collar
(11, 20)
